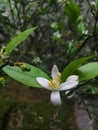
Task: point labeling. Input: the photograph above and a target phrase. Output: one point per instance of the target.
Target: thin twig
(84, 104)
(12, 14)
(95, 17)
(91, 9)
(18, 13)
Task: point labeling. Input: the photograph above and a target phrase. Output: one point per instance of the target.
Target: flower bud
(93, 6)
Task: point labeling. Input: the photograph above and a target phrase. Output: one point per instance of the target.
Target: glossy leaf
(88, 71)
(73, 66)
(26, 77)
(18, 39)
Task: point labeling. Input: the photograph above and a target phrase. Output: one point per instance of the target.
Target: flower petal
(70, 96)
(68, 85)
(43, 82)
(54, 71)
(72, 78)
(55, 98)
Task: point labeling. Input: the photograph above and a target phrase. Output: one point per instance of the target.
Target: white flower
(57, 34)
(85, 32)
(93, 4)
(55, 85)
(69, 96)
(61, 0)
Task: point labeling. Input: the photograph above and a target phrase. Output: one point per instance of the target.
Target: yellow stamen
(55, 82)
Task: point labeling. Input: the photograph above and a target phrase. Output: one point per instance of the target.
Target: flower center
(55, 82)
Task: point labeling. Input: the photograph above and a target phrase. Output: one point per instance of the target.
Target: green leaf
(97, 4)
(72, 10)
(18, 39)
(73, 66)
(56, 26)
(88, 71)
(81, 27)
(26, 77)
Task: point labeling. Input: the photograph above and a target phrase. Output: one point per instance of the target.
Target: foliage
(88, 71)
(17, 40)
(73, 66)
(26, 76)
(52, 32)
(73, 11)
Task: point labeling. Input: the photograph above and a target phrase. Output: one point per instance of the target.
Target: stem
(84, 104)
(82, 45)
(91, 9)
(18, 13)
(12, 14)
(95, 17)
(23, 14)
(6, 63)
(77, 52)
(3, 65)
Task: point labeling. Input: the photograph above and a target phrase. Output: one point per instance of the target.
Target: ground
(26, 108)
